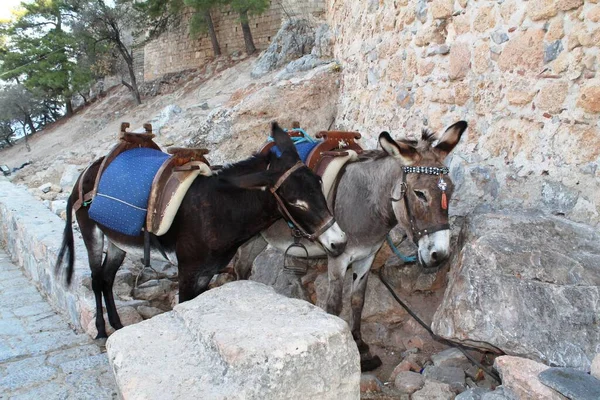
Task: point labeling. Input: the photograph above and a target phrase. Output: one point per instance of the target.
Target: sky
(6, 6)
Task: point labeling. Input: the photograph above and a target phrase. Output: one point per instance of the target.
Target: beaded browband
(442, 185)
(427, 170)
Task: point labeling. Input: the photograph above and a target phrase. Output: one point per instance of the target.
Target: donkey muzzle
(434, 249)
(333, 240)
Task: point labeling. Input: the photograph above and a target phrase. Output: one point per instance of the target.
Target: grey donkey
(404, 184)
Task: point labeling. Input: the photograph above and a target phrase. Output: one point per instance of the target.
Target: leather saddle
(328, 158)
(170, 184)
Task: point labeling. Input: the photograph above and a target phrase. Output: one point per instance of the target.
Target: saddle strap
(85, 197)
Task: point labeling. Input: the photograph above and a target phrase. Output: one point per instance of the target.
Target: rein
(417, 233)
(297, 229)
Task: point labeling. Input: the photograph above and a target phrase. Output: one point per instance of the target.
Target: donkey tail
(67, 247)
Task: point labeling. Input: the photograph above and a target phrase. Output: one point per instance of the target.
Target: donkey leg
(94, 244)
(246, 254)
(336, 269)
(360, 270)
(113, 260)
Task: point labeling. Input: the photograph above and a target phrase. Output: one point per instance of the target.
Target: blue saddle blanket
(304, 145)
(122, 198)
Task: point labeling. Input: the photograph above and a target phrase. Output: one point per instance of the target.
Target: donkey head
(298, 191)
(421, 195)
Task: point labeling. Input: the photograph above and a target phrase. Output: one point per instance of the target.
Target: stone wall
(522, 73)
(178, 50)
(32, 236)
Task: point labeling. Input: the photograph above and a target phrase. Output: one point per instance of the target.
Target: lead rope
(437, 338)
(406, 259)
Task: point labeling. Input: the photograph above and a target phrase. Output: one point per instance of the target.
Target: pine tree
(245, 8)
(40, 51)
(202, 20)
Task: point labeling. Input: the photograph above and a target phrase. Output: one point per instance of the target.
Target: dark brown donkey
(218, 214)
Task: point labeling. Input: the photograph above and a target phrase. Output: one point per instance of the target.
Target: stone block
(460, 61)
(541, 9)
(589, 97)
(552, 96)
(238, 341)
(571, 383)
(525, 51)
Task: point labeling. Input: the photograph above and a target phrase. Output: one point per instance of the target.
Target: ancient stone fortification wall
(522, 73)
(178, 50)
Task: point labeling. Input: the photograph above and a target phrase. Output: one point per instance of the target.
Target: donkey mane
(255, 163)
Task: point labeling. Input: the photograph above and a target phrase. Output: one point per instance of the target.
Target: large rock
(527, 284)
(238, 341)
(295, 39)
(236, 130)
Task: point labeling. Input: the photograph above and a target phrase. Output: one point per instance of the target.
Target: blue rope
(401, 256)
(305, 138)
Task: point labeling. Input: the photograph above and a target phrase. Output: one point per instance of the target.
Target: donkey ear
(450, 138)
(400, 150)
(256, 181)
(282, 140)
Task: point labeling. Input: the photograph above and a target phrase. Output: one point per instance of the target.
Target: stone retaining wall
(524, 74)
(32, 236)
(178, 50)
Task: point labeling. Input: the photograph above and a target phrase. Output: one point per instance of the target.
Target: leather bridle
(297, 228)
(418, 232)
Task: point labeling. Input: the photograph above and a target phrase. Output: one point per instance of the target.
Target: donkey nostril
(333, 246)
(434, 256)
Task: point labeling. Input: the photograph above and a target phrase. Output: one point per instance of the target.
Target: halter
(442, 185)
(298, 231)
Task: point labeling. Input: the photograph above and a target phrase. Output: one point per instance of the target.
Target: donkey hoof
(369, 364)
(102, 335)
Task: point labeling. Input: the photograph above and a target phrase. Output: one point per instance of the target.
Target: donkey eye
(421, 196)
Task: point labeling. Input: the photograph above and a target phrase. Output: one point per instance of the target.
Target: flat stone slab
(40, 355)
(572, 383)
(238, 341)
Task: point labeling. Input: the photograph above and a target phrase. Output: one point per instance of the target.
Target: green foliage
(39, 50)
(248, 7)
(7, 133)
(156, 16)
(198, 22)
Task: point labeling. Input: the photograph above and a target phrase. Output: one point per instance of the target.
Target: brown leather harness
(419, 232)
(297, 230)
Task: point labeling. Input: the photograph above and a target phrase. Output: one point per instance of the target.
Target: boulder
(520, 378)
(525, 283)
(295, 39)
(164, 117)
(409, 382)
(69, 177)
(238, 341)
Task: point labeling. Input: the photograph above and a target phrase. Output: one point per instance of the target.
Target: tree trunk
(129, 61)
(69, 107)
(212, 33)
(29, 122)
(250, 48)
